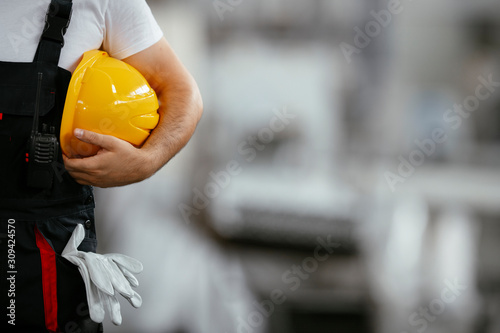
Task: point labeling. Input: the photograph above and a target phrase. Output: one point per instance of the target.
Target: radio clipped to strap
(42, 150)
(43, 147)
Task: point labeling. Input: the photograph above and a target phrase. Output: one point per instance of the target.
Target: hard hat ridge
(107, 96)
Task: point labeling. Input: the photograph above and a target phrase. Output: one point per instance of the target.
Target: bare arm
(118, 162)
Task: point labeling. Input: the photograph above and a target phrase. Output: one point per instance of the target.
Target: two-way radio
(42, 149)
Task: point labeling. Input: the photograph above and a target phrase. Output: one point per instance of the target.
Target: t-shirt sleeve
(129, 28)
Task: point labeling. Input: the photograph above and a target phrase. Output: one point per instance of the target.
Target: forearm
(180, 110)
(180, 103)
(118, 162)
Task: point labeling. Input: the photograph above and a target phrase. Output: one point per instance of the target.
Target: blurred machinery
(321, 174)
(277, 103)
(291, 155)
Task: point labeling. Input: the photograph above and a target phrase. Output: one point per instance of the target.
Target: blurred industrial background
(344, 177)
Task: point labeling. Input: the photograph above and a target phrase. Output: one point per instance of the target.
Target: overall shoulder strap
(56, 23)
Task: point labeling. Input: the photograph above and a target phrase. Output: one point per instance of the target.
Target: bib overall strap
(56, 23)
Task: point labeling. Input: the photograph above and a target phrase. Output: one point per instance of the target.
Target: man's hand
(116, 163)
(119, 163)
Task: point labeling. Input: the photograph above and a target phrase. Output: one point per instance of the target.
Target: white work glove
(104, 276)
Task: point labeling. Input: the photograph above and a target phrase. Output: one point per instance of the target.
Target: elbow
(197, 101)
(181, 102)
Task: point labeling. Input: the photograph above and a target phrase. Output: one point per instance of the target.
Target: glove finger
(99, 272)
(75, 240)
(130, 277)
(113, 307)
(135, 300)
(131, 264)
(120, 283)
(96, 309)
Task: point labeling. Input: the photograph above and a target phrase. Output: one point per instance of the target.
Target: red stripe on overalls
(49, 281)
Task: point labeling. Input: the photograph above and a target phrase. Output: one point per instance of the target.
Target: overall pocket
(58, 230)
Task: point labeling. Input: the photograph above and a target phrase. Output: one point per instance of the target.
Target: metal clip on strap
(57, 21)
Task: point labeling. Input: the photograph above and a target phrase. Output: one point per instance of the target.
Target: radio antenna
(34, 129)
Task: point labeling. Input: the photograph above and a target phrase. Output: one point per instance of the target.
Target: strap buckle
(57, 21)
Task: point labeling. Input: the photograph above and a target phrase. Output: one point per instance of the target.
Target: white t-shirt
(120, 27)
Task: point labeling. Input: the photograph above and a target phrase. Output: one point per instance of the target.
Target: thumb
(101, 140)
(76, 238)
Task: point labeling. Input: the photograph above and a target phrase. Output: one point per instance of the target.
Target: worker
(47, 226)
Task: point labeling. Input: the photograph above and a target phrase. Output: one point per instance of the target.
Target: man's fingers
(81, 169)
(101, 140)
(115, 164)
(87, 164)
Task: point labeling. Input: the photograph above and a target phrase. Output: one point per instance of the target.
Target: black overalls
(40, 290)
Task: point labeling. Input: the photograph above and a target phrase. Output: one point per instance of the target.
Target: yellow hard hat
(107, 96)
